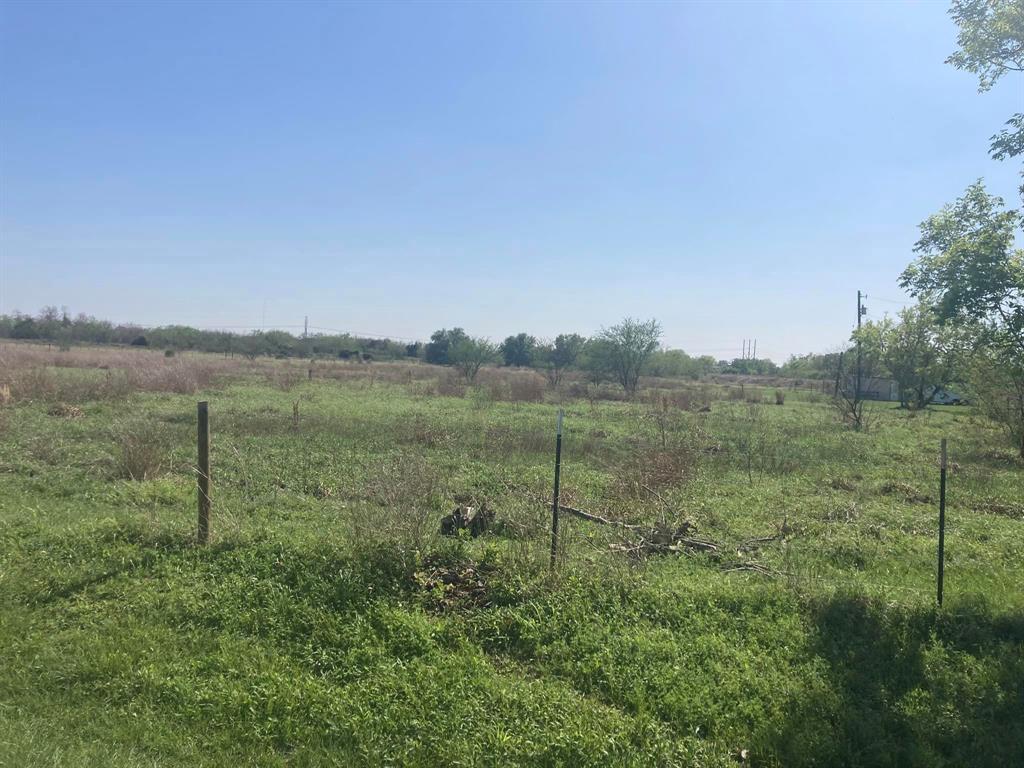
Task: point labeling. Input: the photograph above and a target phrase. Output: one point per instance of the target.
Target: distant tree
(413, 350)
(969, 273)
(469, 355)
(564, 353)
(519, 350)
(810, 366)
(24, 328)
(991, 44)
(441, 343)
(751, 367)
(596, 361)
(623, 350)
(140, 341)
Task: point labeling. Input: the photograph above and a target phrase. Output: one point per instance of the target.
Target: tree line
(57, 326)
(619, 353)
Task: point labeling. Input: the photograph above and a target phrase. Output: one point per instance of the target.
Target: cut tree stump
(477, 521)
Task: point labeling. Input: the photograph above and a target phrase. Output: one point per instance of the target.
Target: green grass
(302, 636)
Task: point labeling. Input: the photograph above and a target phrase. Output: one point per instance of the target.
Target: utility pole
(861, 311)
(305, 328)
(744, 350)
(754, 356)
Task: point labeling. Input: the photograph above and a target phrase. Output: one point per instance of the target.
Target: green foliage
(991, 41)
(990, 37)
(811, 366)
(559, 356)
(519, 350)
(469, 355)
(438, 350)
(623, 350)
(969, 272)
(921, 355)
(751, 367)
(676, 363)
(305, 636)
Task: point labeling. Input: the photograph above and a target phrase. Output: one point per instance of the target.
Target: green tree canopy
(519, 350)
(991, 44)
(624, 349)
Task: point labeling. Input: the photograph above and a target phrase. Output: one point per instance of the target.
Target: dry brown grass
(513, 386)
(33, 372)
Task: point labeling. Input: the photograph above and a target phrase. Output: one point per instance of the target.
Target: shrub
(780, 397)
(140, 450)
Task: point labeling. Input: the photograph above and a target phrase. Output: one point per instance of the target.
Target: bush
(140, 451)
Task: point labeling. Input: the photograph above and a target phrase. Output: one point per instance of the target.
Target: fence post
(203, 472)
(554, 504)
(942, 522)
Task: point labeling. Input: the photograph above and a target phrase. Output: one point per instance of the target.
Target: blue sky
(735, 170)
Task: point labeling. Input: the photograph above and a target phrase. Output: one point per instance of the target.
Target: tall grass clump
(141, 450)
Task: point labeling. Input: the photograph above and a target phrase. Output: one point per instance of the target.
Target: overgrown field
(329, 624)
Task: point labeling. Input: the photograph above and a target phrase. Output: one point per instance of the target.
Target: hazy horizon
(736, 171)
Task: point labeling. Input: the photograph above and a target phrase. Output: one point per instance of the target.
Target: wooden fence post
(203, 470)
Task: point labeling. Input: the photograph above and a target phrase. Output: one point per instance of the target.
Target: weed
(140, 450)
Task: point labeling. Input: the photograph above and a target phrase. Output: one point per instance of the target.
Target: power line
(890, 301)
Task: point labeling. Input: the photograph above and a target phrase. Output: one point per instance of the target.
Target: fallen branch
(650, 539)
(755, 567)
(750, 544)
(598, 519)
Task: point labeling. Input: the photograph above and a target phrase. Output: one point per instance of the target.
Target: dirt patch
(451, 585)
(905, 491)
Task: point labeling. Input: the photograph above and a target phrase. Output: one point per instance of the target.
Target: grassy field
(329, 624)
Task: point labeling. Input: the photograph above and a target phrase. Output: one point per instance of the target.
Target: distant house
(874, 388)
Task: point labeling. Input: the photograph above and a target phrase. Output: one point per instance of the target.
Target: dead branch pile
(644, 540)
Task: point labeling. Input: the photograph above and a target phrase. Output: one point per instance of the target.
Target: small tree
(625, 348)
(438, 349)
(519, 350)
(855, 366)
(562, 354)
(596, 361)
(470, 354)
(997, 387)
